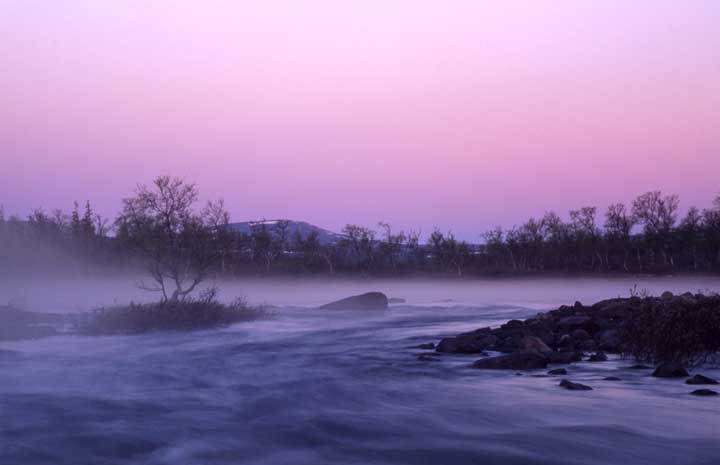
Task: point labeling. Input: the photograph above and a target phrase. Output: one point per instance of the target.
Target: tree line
(180, 243)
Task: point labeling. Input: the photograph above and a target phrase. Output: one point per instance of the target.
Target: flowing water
(328, 387)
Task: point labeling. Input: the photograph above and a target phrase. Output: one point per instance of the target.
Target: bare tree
(160, 221)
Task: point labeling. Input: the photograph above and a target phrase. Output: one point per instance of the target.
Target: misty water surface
(325, 387)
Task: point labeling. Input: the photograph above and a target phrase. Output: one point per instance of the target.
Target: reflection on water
(322, 387)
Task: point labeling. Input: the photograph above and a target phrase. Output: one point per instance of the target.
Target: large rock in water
(367, 301)
(670, 370)
(521, 360)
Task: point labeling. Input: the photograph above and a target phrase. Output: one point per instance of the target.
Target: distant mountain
(324, 236)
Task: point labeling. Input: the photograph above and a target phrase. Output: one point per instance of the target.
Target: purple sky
(457, 114)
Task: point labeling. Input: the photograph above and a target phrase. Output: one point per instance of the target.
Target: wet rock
(704, 392)
(574, 386)
(670, 370)
(462, 344)
(428, 346)
(558, 371)
(564, 357)
(534, 343)
(598, 357)
(612, 378)
(700, 379)
(588, 345)
(521, 360)
(579, 336)
(367, 301)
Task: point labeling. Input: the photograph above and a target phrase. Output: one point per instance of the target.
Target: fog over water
(327, 387)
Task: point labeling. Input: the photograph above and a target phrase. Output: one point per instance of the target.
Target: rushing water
(328, 387)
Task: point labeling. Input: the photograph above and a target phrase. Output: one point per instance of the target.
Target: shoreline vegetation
(162, 231)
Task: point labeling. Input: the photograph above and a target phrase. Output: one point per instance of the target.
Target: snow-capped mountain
(304, 228)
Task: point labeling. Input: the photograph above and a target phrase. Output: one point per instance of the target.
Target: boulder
(571, 323)
(367, 301)
(639, 367)
(598, 357)
(579, 336)
(534, 343)
(704, 392)
(574, 386)
(670, 370)
(428, 346)
(462, 344)
(521, 360)
(564, 357)
(700, 379)
(612, 378)
(588, 345)
(558, 371)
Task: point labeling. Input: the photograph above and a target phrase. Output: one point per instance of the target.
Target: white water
(323, 387)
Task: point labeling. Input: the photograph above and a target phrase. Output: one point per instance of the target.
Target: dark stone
(700, 379)
(704, 392)
(428, 346)
(534, 343)
(367, 301)
(598, 357)
(564, 357)
(521, 360)
(462, 344)
(558, 371)
(588, 345)
(579, 335)
(574, 386)
(612, 378)
(670, 370)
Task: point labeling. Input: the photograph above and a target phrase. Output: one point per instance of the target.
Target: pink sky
(457, 114)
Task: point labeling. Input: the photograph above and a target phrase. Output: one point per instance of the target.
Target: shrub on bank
(183, 315)
(683, 329)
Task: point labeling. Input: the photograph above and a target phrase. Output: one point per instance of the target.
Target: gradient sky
(458, 114)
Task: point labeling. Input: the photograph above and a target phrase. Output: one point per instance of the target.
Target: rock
(667, 295)
(670, 370)
(598, 357)
(571, 323)
(612, 378)
(558, 371)
(367, 301)
(700, 379)
(588, 345)
(579, 335)
(428, 346)
(574, 386)
(396, 300)
(704, 392)
(462, 344)
(564, 357)
(534, 343)
(521, 360)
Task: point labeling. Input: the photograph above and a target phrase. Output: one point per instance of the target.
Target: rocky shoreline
(673, 333)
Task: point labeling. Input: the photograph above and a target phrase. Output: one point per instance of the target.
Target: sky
(457, 114)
